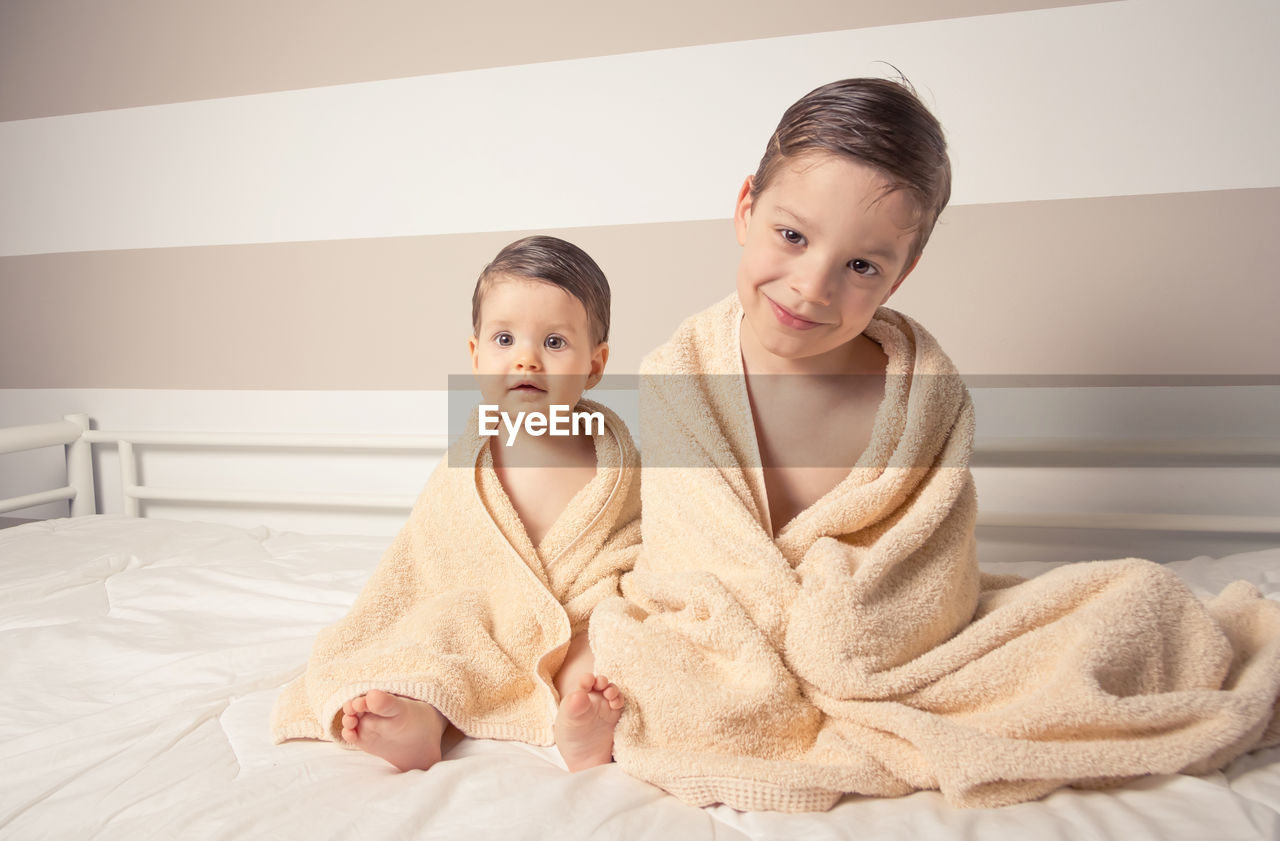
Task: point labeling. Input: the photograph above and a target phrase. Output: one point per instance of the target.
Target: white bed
(141, 658)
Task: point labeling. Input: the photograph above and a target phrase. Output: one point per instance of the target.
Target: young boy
(477, 614)
(806, 617)
(831, 224)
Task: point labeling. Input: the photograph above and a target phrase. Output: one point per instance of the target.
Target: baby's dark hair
(555, 261)
(877, 122)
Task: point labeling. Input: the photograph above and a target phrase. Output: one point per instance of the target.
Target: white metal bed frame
(75, 432)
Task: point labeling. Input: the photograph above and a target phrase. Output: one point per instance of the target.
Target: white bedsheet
(140, 659)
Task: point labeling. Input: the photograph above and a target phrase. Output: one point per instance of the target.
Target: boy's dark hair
(877, 122)
(555, 261)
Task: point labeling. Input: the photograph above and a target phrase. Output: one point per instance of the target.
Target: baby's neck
(543, 451)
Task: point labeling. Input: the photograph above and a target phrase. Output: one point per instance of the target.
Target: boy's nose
(812, 283)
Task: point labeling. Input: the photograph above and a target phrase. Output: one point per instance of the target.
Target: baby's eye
(555, 342)
(504, 339)
(863, 268)
(793, 237)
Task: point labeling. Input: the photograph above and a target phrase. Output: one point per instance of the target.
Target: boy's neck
(858, 356)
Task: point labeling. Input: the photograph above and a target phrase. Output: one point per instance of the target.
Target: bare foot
(584, 724)
(403, 731)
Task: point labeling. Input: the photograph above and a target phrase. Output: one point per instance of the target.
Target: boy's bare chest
(809, 442)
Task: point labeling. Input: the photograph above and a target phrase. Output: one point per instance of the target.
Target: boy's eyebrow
(881, 252)
(803, 222)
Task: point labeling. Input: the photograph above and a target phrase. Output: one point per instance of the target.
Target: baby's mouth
(527, 387)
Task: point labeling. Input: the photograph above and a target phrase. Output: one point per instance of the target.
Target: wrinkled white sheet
(139, 660)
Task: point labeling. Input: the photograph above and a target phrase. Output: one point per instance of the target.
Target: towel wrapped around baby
(861, 650)
(464, 612)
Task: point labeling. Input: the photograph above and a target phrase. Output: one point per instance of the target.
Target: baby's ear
(599, 358)
(473, 344)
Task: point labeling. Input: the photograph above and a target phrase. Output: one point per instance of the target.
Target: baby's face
(534, 347)
(823, 247)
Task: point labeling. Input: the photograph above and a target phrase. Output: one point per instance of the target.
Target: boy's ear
(742, 210)
(898, 282)
(599, 358)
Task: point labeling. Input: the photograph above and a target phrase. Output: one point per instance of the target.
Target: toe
(382, 703)
(577, 705)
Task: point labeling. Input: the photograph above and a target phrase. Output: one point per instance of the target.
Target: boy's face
(534, 347)
(823, 246)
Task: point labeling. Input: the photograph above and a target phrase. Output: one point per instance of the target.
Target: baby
(478, 612)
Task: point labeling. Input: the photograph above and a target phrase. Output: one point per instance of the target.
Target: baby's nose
(527, 358)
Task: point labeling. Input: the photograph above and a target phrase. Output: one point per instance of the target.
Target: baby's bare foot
(403, 731)
(585, 722)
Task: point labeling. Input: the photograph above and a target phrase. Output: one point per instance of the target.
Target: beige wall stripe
(72, 56)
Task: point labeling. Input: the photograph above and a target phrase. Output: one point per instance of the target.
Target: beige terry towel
(463, 612)
(862, 651)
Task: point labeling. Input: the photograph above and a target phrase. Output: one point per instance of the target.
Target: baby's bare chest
(540, 495)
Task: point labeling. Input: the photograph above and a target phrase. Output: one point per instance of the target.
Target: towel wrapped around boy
(861, 650)
(463, 612)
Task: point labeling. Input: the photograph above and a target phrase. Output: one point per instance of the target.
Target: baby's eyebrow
(566, 329)
(558, 327)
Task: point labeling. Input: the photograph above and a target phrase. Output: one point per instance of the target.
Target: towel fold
(463, 612)
(861, 650)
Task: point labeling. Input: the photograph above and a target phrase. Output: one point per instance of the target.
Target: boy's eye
(862, 267)
(793, 237)
(504, 339)
(555, 342)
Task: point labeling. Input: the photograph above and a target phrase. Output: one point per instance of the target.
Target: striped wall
(267, 209)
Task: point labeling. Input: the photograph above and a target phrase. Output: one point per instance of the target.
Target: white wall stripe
(1143, 96)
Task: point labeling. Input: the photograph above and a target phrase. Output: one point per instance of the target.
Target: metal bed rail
(69, 432)
(133, 492)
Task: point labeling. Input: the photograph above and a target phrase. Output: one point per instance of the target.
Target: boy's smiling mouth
(789, 319)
